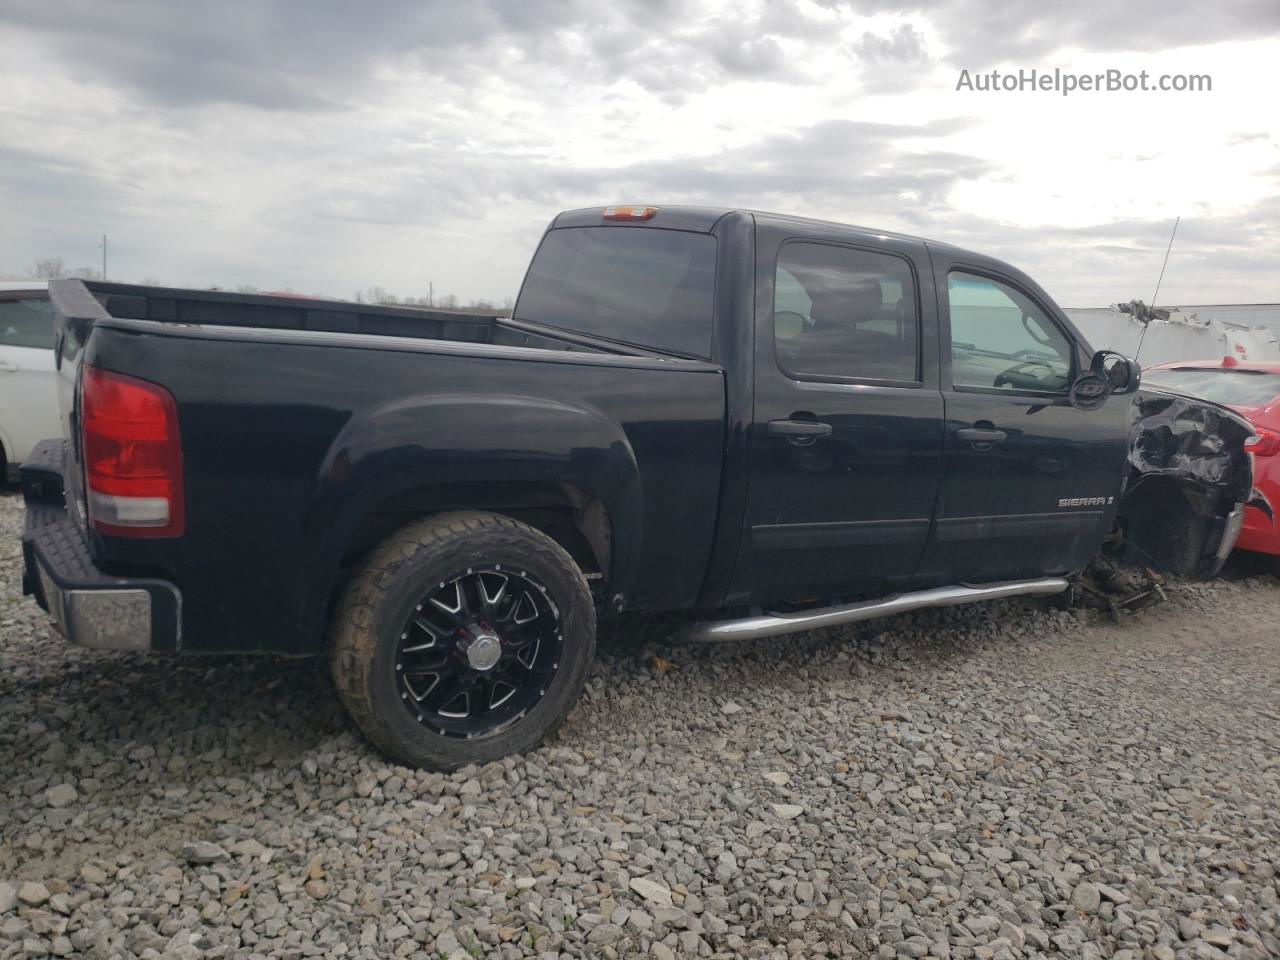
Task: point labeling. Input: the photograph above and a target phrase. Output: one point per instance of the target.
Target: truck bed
(310, 429)
(266, 312)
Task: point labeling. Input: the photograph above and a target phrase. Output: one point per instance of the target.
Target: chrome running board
(776, 624)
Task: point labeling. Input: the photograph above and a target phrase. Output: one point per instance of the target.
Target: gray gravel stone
(203, 852)
(652, 891)
(62, 795)
(33, 894)
(999, 781)
(1086, 897)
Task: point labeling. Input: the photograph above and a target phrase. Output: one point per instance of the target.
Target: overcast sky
(331, 146)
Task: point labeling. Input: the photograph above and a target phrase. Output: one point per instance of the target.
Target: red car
(1252, 390)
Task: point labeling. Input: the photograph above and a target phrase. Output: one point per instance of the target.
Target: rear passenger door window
(840, 313)
(26, 323)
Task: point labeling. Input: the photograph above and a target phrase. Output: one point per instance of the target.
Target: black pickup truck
(767, 422)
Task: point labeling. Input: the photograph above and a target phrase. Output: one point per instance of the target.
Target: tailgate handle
(800, 432)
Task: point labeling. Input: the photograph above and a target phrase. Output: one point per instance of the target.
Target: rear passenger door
(846, 442)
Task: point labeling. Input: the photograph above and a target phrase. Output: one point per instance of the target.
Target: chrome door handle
(980, 435)
(7, 367)
(801, 433)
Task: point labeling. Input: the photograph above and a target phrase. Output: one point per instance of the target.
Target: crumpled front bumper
(89, 607)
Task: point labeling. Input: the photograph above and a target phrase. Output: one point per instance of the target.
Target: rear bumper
(89, 607)
(1259, 532)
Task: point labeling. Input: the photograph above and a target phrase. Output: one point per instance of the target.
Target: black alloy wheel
(478, 651)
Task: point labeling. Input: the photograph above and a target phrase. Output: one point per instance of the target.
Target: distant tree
(47, 268)
(83, 273)
(448, 301)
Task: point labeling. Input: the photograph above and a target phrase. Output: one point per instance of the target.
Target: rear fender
(425, 442)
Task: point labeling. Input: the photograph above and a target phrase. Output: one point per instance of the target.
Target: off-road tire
(377, 601)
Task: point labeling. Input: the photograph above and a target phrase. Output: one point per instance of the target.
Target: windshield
(1235, 388)
(649, 287)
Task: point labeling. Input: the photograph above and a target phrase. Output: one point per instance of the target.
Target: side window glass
(1001, 340)
(26, 323)
(843, 313)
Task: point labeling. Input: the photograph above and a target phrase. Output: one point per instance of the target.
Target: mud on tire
(491, 608)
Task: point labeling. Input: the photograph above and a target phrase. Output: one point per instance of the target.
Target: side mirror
(1121, 374)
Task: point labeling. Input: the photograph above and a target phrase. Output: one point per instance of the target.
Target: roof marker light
(1230, 361)
(629, 213)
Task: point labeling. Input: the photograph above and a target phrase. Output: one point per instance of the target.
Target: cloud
(303, 56)
(904, 44)
(332, 146)
(981, 34)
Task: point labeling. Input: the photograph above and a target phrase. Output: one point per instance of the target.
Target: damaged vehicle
(1251, 391)
(767, 423)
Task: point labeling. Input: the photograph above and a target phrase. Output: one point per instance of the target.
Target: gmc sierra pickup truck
(767, 422)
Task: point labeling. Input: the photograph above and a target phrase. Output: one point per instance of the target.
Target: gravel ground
(993, 782)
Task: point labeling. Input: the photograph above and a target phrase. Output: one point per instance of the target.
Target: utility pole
(104, 256)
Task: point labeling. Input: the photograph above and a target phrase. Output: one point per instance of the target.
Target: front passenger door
(1029, 481)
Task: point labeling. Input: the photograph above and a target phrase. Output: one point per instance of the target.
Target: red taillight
(1265, 444)
(132, 455)
(629, 213)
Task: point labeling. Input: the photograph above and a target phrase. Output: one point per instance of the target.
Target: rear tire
(473, 602)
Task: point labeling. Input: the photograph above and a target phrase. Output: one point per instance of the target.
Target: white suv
(28, 396)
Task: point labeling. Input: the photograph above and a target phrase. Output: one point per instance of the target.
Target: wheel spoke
(523, 609)
(491, 595)
(432, 637)
(449, 695)
(501, 687)
(452, 599)
(527, 653)
(420, 684)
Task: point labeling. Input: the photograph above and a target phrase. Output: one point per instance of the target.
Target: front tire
(463, 638)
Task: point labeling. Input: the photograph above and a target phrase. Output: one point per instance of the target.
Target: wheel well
(1163, 520)
(577, 521)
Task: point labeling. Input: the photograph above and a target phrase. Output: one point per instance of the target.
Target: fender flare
(451, 439)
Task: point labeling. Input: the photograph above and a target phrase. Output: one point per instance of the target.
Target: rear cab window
(1227, 385)
(643, 286)
(26, 322)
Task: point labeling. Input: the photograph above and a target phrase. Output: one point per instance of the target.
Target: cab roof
(704, 219)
